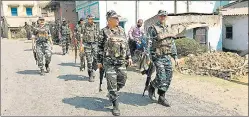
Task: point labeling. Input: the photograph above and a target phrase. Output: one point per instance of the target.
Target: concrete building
(203, 27)
(63, 9)
(133, 10)
(15, 13)
(235, 26)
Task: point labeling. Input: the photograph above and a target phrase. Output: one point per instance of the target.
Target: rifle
(101, 76)
(149, 72)
(35, 56)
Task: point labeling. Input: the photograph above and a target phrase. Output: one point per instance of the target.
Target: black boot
(81, 68)
(162, 100)
(47, 68)
(42, 73)
(151, 92)
(91, 77)
(115, 110)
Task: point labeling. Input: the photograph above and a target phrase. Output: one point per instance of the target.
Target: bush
(186, 46)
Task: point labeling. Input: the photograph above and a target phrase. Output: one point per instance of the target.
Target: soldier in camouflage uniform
(163, 46)
(90, 39)
(79, 35)
(65, 36)
(27, 28)
(113, 50)
(42, 43)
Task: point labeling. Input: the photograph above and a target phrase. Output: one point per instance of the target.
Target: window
(200, 35)
(29, 11)
(14, 11)
(229, 32)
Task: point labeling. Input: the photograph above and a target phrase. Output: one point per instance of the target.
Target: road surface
(66, 91)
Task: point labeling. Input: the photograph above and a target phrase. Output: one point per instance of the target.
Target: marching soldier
(90, 40)
(79, 35)
(27, 28)
(42, 43)
(163, 46)
(113, 50)
(65, 36)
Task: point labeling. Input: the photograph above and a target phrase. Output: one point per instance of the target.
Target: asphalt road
(66, 91)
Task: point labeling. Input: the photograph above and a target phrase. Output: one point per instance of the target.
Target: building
(235, 26)
(15, 13)
(203, 27)
(142, 9)
(63, 9)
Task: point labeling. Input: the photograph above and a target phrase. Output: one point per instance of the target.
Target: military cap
(90, 16)
(112, 13)
(162, 12)
(82, 19)
(63, 19)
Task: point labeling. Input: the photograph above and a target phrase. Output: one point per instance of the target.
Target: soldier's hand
(100, 65)
(177, 61)
(129, 61)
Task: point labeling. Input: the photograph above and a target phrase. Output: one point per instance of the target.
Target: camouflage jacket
(153, 36)
(42, 33)
(64, 29)
(90, 33)
(104, 45)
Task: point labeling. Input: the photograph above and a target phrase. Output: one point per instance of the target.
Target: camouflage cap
(90, 16)
(112, 13)
(81, 19)
(162, 12)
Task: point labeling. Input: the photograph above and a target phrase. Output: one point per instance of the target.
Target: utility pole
(187, 6)
(175, 6)
(136, 10)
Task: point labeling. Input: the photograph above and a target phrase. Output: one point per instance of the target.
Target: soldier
(41, 37)
(113, 49)
(28, 30)
(90, 40)
(163, 46)
(79, 35)
(65, 36)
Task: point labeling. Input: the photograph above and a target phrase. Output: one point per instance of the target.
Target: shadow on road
(90, 103)
(28, 50)
(99, 104)
(68, 64)
(29, 72)
(238, 82)
(73, 77)
(57, 53)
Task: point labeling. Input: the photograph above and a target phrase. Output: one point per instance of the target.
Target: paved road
(66, 91)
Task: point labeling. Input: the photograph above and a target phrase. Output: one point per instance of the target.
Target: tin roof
(235, 8)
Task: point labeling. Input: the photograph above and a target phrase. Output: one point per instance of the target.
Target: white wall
(189, 33)
(240, 32)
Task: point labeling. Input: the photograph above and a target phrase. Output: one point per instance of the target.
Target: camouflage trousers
(65, 43)
(43, 49)
(116, 76)
(90, 51)
(164, 73)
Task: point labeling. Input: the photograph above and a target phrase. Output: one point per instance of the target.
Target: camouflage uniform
(65, 36)
(79, 33)
(112, 51)
(90, 40)
(161, 50)
(28, 30)
(43, 48)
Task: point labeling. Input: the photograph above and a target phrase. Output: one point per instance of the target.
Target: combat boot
(162, 100)
(81, 68)
(91, 77)
(47, 68)
(115, 110)
(42, 73)
(151, 92)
